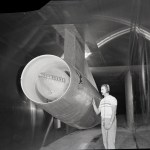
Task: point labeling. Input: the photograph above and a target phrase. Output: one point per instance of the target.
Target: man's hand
(107, 124)
(93, 102)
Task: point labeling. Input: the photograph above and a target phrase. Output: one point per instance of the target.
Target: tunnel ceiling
(98, 22)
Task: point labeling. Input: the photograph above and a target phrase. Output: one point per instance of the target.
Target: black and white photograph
(75, 74)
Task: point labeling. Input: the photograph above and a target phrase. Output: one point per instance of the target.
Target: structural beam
(129, 100)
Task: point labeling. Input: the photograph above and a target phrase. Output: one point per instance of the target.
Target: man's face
(103, 90)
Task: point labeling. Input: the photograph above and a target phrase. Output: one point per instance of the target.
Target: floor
(24, 136)
(91, 139)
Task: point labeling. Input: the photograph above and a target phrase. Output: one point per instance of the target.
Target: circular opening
(45, 78)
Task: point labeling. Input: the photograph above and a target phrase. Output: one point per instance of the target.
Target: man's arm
(97, 111)
(114, 107)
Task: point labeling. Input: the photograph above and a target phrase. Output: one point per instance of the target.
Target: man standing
(107, 108)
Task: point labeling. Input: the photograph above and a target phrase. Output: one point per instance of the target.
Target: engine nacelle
(61, 90)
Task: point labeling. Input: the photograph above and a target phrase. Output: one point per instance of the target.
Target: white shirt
(105, 106)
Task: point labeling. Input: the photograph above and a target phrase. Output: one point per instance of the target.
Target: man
(107, 108)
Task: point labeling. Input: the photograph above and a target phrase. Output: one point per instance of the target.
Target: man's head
(105, 88)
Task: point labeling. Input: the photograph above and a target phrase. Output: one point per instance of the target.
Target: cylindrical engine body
(68, 95)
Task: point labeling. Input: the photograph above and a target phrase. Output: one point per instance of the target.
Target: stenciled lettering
(53, 77)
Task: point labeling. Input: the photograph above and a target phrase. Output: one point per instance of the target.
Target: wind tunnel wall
(139, 64)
